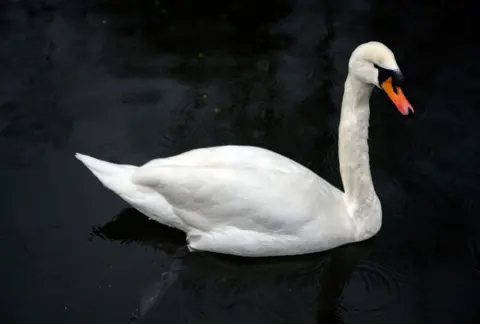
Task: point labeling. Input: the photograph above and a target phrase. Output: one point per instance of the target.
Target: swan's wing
(276, 195)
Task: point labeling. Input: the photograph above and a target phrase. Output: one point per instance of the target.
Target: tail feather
(118, 178)
(113, 176)
(103, 168)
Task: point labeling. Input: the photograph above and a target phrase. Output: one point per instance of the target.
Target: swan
(252, 202)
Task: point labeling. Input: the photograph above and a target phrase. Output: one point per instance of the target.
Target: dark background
(129, 81)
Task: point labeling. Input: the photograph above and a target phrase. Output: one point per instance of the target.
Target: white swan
(252, 202)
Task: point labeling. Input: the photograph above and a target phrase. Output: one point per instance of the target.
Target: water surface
(133, 80)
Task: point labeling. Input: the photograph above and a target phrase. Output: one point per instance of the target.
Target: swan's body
(249, 201)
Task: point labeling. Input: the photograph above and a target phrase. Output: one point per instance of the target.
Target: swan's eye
(384, 74)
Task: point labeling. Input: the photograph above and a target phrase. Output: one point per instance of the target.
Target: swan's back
(233, 157)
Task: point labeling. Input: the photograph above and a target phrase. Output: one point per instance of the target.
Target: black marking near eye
(384, 74)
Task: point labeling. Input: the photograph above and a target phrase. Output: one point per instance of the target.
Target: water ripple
(280, 306)
(373, 277)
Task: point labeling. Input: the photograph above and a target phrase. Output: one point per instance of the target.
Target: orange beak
(397, 97)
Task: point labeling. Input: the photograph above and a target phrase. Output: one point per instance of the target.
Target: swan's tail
(116, 177)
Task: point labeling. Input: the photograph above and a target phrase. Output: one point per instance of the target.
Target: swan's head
(374, 63)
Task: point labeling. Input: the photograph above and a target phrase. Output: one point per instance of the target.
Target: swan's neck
(361, 200)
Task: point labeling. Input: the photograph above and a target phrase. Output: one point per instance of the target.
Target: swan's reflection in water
(328, 272)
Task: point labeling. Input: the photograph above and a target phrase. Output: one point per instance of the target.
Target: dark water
(132, 80)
